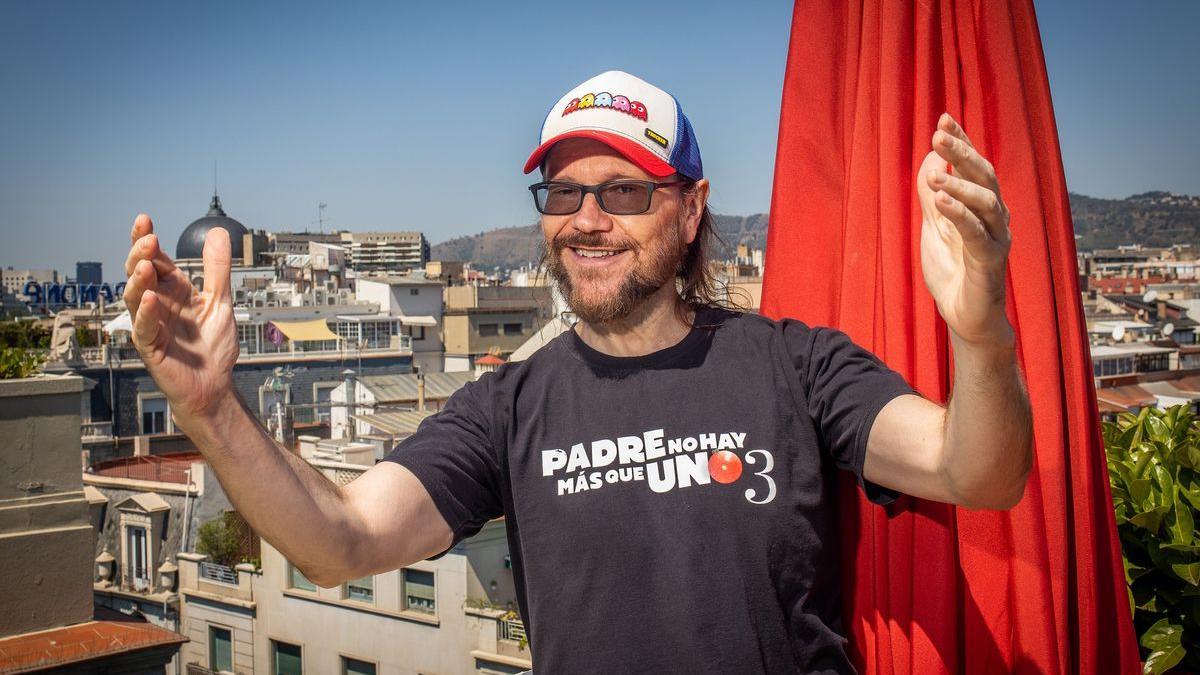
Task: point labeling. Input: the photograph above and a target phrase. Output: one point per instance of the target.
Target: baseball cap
(637, 119)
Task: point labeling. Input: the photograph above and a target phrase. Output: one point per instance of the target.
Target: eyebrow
(606, 178)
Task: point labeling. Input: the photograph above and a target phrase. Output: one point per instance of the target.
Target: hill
(1150, 219)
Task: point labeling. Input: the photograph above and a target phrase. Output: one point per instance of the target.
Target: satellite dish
(1118, 333)
(1150, 296)
(1168, 328)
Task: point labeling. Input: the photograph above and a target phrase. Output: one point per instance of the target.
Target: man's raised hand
(187, 338)
(965, 238)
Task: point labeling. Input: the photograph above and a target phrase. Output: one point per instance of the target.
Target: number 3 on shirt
(769, 462)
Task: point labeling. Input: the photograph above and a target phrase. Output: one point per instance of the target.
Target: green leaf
(1184, 528)
(1139, 491)
(1142, 462)
(1164, 640)
(1189, 573)
(1150, 519)
(1166, 486)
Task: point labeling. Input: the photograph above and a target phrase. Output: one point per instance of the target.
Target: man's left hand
(964, 237)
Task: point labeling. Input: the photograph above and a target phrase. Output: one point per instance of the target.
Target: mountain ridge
(1153, 219)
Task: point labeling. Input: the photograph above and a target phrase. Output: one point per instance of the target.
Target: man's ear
(694, 201)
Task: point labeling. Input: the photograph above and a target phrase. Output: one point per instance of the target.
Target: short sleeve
(845, 387)
(454, 456)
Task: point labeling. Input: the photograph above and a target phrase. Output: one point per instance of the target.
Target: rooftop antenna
(214, 178)
(321, 216)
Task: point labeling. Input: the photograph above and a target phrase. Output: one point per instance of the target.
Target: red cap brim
(631, 150)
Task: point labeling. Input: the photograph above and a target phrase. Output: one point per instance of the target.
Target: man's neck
(661, 321)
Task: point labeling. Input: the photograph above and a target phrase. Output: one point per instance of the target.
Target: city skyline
(126, 110)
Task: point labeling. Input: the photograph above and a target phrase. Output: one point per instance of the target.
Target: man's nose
(590, 217)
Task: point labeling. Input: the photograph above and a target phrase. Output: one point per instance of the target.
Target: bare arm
(188, 340)
(979, 451)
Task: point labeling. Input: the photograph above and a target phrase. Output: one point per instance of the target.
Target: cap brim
(631, 150)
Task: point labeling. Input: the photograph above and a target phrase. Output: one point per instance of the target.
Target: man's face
(605, 265)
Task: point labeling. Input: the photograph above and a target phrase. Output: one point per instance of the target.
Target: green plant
(1154, 470)
(28, 334)
(228, 540)
(18, 362)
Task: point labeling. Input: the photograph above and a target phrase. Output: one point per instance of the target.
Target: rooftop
(82, 643)
(159, 468)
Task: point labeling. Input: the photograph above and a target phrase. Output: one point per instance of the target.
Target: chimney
(421, 392)
(351, 400)
(141, 446)
(1161, 310)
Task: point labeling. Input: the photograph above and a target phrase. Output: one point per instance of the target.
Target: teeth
(594, 254)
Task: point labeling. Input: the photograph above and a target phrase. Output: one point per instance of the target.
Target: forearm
(987, 440)
(284, 498)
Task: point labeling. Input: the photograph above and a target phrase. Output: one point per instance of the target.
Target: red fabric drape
(930, 588)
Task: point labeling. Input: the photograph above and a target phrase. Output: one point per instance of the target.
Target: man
(663, 468)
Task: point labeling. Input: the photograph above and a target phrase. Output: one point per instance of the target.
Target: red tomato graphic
(725, 466)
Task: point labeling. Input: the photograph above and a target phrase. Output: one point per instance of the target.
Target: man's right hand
(187, 338)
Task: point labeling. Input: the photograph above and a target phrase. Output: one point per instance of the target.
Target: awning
(403, 422)
(122, 322)
(418, 321)
(315, 329)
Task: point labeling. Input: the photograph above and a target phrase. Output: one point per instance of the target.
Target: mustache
(590, 240)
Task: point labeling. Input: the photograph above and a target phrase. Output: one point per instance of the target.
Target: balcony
(264, 351)
(501, 637)
(218, 573)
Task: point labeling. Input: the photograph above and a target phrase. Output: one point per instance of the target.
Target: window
(362, 589)
(417, 332)
(355, 667)
(321, 392)
(412, 291)
(139, 556)
(287, 658)
(270, 401)
(489, 329)
(514, 328)
(296, 579)
(155, 413)
(220, 649)
(419, 593)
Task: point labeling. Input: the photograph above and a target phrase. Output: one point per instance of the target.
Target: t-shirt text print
(666, 513)
(663, 464)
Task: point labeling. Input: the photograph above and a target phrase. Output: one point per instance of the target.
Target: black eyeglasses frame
(596, 190)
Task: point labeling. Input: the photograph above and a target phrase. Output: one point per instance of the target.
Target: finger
(142, 280)
(951, 126)
(984, 203)
(148, 328)
(142, 226)
(967, 162)
(217, 262)
(147, 248)
(968, 226)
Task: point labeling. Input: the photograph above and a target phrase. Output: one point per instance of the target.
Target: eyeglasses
(624, 197)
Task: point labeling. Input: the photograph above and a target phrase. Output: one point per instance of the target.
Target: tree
(228, 540)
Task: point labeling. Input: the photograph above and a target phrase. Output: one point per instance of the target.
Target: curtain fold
(931, 588)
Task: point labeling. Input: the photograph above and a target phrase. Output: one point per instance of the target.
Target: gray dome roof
(191, 242)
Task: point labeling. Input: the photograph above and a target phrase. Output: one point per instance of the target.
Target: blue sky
(401, 116)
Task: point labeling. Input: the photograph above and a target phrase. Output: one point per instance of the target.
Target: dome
(191, 242)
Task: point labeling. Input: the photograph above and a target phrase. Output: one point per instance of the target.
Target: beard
(652, 268)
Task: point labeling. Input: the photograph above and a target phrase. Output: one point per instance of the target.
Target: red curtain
(931, 588)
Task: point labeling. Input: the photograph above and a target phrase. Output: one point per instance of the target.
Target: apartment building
(481, 320)
(446, 616)
(385, 251)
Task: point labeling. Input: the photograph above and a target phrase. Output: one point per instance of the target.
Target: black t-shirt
(670, 512)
